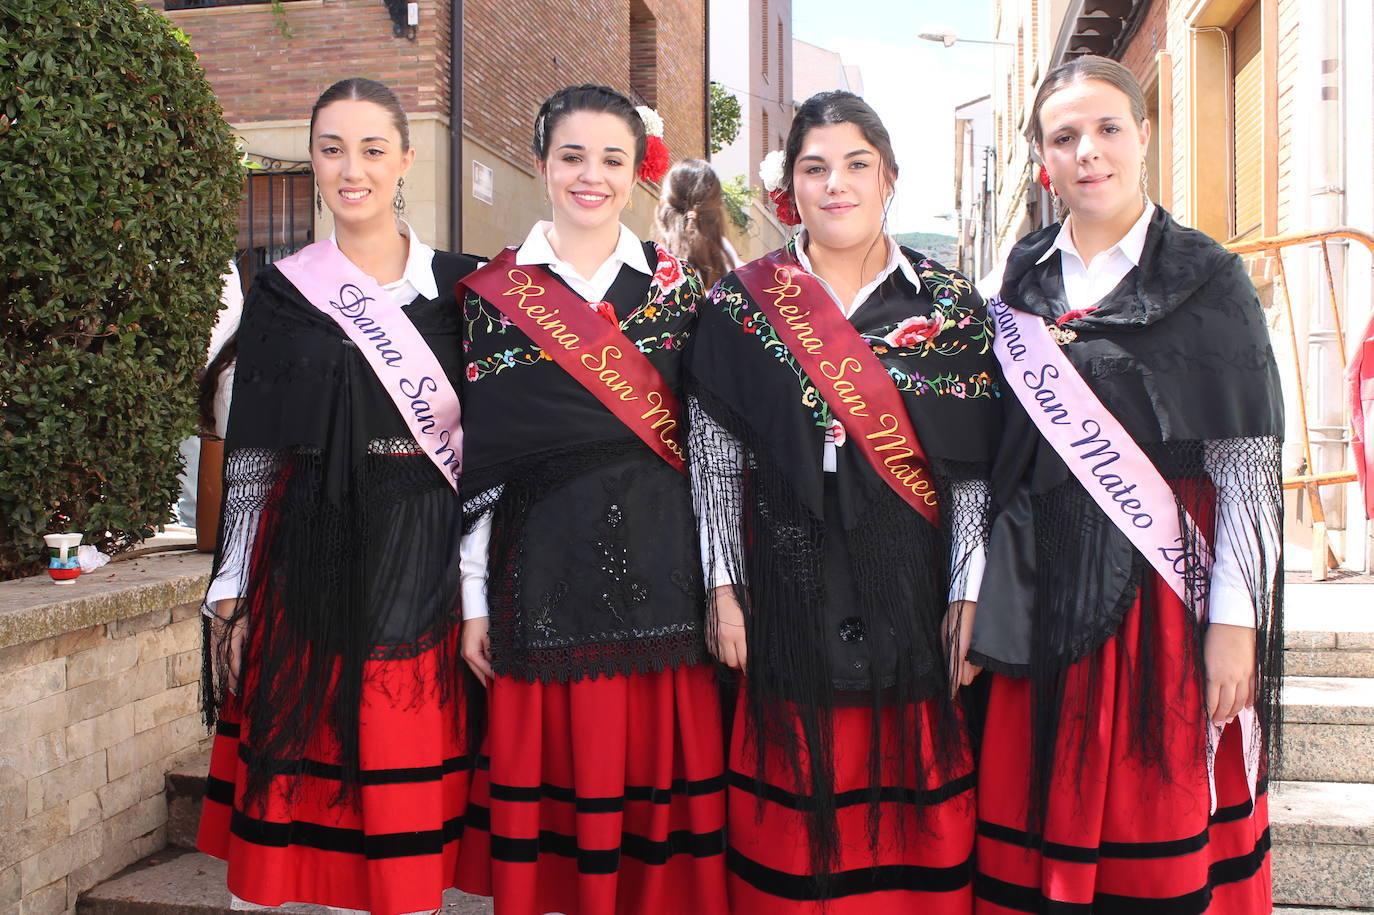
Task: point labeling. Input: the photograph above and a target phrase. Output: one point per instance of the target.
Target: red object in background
(1361, 391)
(656, 159)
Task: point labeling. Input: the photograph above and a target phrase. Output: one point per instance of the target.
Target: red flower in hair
(1045, 180)
(607, 311)
(1074, 315)
(787, 210)
(656, 160)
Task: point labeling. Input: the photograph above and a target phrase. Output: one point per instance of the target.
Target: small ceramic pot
(63, 566)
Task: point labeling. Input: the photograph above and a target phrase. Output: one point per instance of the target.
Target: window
(643, 53)
(767, 136)
(763, 32)
(780, 62)
(1247, 136)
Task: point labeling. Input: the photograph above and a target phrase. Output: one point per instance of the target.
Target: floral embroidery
(837, 433)
(916, 330)
(656, 325)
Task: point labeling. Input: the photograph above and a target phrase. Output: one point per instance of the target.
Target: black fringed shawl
(592, 566)
(1180, 353)
(348, 533)
(843, 584)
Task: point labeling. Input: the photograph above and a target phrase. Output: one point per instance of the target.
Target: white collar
(419, 268)
(536, 250)
(895, 261)
(1131, 245)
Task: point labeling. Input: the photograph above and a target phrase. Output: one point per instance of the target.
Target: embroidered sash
(588, 347)
(393, 348)
(1121, 479)
(848, 375)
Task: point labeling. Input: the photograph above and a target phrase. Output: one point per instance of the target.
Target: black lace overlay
(593, 566)
(1180, 353)
(843, 584)
(344, 535)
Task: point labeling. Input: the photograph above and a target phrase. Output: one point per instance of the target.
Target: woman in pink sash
(843, 413)
(1094, 790)
(600, 788)
(341, 762)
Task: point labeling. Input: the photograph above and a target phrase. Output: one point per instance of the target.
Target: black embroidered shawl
(347, 534)
(844, 585)
(1180, 353)
(592, 566)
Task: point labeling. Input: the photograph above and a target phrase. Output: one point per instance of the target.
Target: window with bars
(767, 135)
(781, 63)
(205, 4)
(763, 32)
(1247, 135)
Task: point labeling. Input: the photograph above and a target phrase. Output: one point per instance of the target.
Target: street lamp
(947, 37)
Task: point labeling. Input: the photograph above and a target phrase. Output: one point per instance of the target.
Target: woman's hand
(1229, 657)
(727, 619)
(477, 647)
(957, 633)
(226, 640)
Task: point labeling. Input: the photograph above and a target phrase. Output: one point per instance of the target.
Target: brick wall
(91, 720)
(513, 58)
(259, 75)
(1150, 38)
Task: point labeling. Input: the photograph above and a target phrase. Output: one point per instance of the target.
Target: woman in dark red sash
(843, 413)
(600, 788)
(1094, 789)
(340, 766)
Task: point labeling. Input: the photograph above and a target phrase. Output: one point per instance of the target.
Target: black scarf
(593, 567)
(1180, 353)
(355, 552)
(843, 583)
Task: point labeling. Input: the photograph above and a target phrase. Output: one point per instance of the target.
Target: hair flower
(656, 160)
(770, 170)
(653, 121)
(786, 208)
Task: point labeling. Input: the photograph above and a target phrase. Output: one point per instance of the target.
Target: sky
(912, 84)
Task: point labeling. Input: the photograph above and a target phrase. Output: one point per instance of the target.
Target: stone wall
(99, 699)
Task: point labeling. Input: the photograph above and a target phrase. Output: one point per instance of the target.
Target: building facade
(816, 69)
(269, 62)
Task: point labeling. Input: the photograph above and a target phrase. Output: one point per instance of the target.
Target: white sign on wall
(483, 181)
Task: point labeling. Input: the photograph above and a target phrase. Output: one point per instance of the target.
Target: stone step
(1328, 729)
(185, 790)
(1323, 835)
(190, 883)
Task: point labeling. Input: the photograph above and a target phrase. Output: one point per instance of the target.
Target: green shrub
(120, 188)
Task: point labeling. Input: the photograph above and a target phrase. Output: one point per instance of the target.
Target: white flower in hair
(653, 122)
(770, 170)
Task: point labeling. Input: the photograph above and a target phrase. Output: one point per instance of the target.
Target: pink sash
(1118, 475)
(394, 349)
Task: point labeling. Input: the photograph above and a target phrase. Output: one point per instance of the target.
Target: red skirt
(600, 797)
(921, 862)
(393, 851)
(1120, 835)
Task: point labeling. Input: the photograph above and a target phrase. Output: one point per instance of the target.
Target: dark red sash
(860, 392)
(588, 347)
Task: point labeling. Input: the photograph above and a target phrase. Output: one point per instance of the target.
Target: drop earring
(398, 203)
(319, 202)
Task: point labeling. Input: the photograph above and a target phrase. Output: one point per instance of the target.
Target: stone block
(1334, 663)
(29, 836)
(9, 886)
(184, 668)
(171, 742)
(1328, 752)
(109, 659)
(78, 640)
(100, 696)
(133, 625)
(29, 684)
(35, 719)
(1323, 875)
(56, 861)
(83, 812)
(139, 820)
(168, 640)
(101, 732)
(35, 786)
(49, 900)
(184, 884)
(26, 654)
(42, 755)
(128, 790)
(14, 795)
(76, 777)
(187, 611)
(166, 706)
